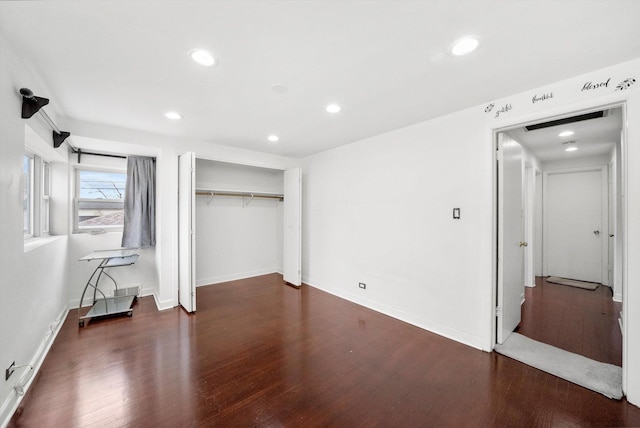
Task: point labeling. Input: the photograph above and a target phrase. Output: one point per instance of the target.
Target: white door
(611, 243)
(510, 237)
(574, 229)
(292, 259)
(186, 235)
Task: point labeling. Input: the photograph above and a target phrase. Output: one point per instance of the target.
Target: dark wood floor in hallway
(259, 353)
(581, 321)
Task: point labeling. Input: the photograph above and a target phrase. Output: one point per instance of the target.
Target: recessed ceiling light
(173, 115)
(333, 108)
(464, 46)
(570, 146)
(278, 88)
(273, 138)
(565, 133)
(202, 57)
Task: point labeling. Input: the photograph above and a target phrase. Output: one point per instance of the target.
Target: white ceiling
(125, 63)
(593, 137)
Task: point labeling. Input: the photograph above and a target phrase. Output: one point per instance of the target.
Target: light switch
(456, 213)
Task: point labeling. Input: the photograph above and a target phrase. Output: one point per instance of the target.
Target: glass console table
(122, 299)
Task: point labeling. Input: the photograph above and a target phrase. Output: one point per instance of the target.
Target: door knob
(596, 232)
(610, 236)
(523, 244)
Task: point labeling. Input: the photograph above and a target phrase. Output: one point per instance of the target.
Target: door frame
(547, 115)
(604, 216)
(267, 165)
(529, 191)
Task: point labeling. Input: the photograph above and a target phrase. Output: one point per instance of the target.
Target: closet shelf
(214, 192)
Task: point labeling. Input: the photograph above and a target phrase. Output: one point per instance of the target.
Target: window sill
(33, 243)
(103, 231)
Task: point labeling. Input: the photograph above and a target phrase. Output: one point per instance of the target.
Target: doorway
(591, 166)
(252, 228)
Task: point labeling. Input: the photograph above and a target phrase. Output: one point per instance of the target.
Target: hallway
(580, 321)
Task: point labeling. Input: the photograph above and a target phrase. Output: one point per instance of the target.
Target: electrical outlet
(362, 285)
(8, 372)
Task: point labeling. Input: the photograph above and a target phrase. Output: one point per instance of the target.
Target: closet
(239, 222)
(245, 222)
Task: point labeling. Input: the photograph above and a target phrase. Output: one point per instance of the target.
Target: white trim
(235, 276)
(455, 334)
(40, 241)
(13, 400)
(163, 305)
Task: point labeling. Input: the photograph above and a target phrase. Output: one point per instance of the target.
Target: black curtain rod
(32, 105)
(79, 152)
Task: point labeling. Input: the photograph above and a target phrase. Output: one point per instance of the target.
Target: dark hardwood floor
(259, 353)
(581, 321)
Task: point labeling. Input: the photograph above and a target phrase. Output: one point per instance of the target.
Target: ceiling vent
(566, 120)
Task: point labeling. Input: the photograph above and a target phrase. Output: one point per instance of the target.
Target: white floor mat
(600, 377)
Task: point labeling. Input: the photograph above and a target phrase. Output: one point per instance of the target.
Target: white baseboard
(14, 399)
(234, 276)
(147, 291)
(163, 305)
(434, 327)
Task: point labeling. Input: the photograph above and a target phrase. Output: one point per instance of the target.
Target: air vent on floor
(564, 121)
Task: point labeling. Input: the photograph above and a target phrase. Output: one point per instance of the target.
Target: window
(37, 189)
(46, 194)
(27, 198)
(99, 199)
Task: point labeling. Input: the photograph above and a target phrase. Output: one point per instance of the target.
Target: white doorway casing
(630, 320)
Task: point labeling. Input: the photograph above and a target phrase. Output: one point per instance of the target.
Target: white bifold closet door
(186, 229)
(292, 239)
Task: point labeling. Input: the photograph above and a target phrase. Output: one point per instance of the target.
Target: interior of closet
(239, 221)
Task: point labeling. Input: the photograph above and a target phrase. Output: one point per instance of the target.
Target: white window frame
(30, 175)
(39, 192)
(45, 198)
(77, 200)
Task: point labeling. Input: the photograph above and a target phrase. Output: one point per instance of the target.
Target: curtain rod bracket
(58, 139)
(32, 105)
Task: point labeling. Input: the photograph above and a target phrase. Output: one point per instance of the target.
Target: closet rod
(253, 195)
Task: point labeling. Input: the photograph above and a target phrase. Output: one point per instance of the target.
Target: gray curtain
(140, 203)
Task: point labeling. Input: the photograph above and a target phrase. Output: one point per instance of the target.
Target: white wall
(33, 294)
(237, 237)
(582, 162)
(379, 211)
